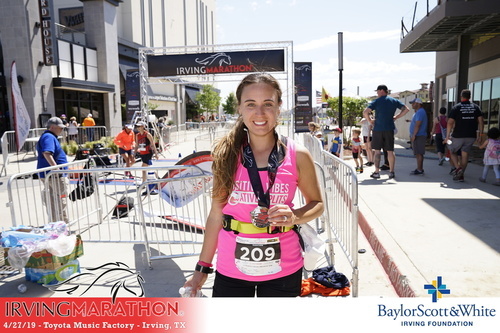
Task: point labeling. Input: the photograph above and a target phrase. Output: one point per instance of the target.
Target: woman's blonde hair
(228, 149)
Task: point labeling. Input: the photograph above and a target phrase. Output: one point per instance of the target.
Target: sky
(371, 39)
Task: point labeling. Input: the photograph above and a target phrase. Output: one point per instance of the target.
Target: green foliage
(209, 99)
(106, 141)
(231, 104)
(352, 107)
(70, 147)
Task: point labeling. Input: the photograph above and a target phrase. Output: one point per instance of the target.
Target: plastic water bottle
(186, 292)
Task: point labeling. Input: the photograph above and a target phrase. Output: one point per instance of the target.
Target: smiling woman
(252, 222)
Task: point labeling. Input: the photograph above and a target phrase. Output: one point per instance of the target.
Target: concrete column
(464, 46)
(101, 33)
(22, 43)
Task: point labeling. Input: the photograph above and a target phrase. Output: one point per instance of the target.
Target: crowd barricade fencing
(8, 141)
(121, 208)
(339, 185)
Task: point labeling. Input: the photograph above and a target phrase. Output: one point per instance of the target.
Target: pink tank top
(260, 257)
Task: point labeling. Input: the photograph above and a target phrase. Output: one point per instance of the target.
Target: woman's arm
(212, 229)
(310, 189)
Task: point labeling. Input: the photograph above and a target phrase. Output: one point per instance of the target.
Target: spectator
(465, 126)
(73, 129)
(125, 140)
(336, 147)
(145, 146)
(418, 134)
(89, 122)
(492, 155)
(356, 150)
(438, 129)
(383, 127)
(366, 133)
(50, 153)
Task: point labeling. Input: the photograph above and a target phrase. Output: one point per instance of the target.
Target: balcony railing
(70, 35)
(419, 11)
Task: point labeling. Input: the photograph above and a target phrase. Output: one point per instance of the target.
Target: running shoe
(361, 170)
(357, 169)
(482, 180)
(459, 176)
(385, 167)
(375, 175)
(417, 172)
(452, 171)
(441, 161)
(392, 175)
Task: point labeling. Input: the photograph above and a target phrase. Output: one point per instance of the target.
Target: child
(336, 142)
(356, 150)
(492, 155)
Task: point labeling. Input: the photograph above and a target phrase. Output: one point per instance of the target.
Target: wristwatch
(203, 269)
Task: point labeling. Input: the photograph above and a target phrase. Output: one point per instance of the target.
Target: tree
(231, 104)
(352, 107)
(209, 99)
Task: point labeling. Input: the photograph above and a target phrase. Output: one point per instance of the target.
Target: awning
(126, 65)
(72, 84)
(191, 93)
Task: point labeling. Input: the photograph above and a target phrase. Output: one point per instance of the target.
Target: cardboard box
(45, 260)
(49, 277)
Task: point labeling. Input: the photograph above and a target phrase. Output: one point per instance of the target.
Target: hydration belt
(230, 224)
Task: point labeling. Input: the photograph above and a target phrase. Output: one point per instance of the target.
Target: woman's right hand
(196, 282)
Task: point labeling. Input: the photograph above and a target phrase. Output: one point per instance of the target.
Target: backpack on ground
(123, 207)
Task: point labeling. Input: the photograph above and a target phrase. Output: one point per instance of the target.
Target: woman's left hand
(281, 216)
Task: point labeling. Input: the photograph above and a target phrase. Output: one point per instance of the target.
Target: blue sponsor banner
(132, 92)
(303, 96)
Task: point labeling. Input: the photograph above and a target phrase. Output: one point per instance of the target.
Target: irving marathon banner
(216, 63)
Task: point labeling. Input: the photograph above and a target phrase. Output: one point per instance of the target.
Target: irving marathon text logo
(437, 289)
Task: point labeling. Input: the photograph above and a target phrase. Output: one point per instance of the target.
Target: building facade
(72, 56)
(466, 37)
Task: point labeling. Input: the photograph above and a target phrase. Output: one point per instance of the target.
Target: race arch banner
(216, 63)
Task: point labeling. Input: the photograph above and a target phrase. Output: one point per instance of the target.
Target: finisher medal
(260, 217)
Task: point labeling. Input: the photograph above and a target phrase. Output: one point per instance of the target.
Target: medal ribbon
(276, 155)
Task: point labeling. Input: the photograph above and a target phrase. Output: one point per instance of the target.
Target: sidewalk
(424, 226)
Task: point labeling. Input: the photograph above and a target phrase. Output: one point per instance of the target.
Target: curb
(398, 280)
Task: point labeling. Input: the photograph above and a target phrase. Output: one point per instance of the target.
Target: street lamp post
(341, 68)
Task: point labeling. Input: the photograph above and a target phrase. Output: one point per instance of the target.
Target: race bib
(258, 256)
(142, 147)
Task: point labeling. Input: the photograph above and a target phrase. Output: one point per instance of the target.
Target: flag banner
(22, 122)
(324, 95)
(318, 97)
(303, 96)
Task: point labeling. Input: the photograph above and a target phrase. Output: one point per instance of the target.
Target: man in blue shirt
(50, 153)
(384, 108)
(418, 134)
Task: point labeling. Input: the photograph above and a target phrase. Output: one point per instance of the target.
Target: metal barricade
(93, 214)
(8, 144)
(175, 226)
(339, 185)
(27, 195)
